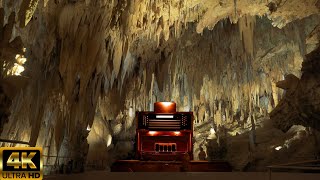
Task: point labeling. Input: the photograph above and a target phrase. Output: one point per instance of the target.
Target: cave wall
(92, 64)
(213, 75)
(300, 103)
(59, 104)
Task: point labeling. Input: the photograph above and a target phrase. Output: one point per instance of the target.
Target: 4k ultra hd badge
(21, 163)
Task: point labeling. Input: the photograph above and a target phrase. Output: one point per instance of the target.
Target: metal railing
(309, 166)
(55, 167)
(14, 141)
(60, 165)
(96, 164)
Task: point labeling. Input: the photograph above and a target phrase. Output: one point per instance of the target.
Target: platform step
(170, 166)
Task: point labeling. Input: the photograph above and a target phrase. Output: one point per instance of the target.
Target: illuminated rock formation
(93, 63)
(300, 105)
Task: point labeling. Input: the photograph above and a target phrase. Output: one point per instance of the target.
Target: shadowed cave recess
(74, 72)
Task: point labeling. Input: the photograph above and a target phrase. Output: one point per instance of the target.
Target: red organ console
(164, 134)
(164, 143)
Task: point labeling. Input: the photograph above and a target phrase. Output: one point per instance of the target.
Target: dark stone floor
(96, 175)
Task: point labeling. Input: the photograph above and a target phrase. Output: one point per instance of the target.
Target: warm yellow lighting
(131, 114)
(152, 132)
(212, 131)
(166, 104)
(109, 141)
(21, 60)
(164, 116)
(17, 68)
(278, 148)
(88, 128)
(164, 107)
(177, 133)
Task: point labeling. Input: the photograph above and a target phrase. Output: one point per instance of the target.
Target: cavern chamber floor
(96, 175)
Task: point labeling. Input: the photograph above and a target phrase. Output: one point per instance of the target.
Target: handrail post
(269, 173)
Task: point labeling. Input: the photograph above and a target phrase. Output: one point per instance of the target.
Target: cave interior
(74, 72)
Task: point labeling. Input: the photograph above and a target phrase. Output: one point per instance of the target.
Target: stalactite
(27, 10)
(105, 56)
(246, 29)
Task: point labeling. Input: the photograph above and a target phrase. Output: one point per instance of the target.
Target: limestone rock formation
(300, 105)
(9, 49)
(92, 63)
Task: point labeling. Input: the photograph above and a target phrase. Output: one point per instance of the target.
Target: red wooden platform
(169, 166)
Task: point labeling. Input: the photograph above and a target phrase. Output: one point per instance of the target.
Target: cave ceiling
(89, 59)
